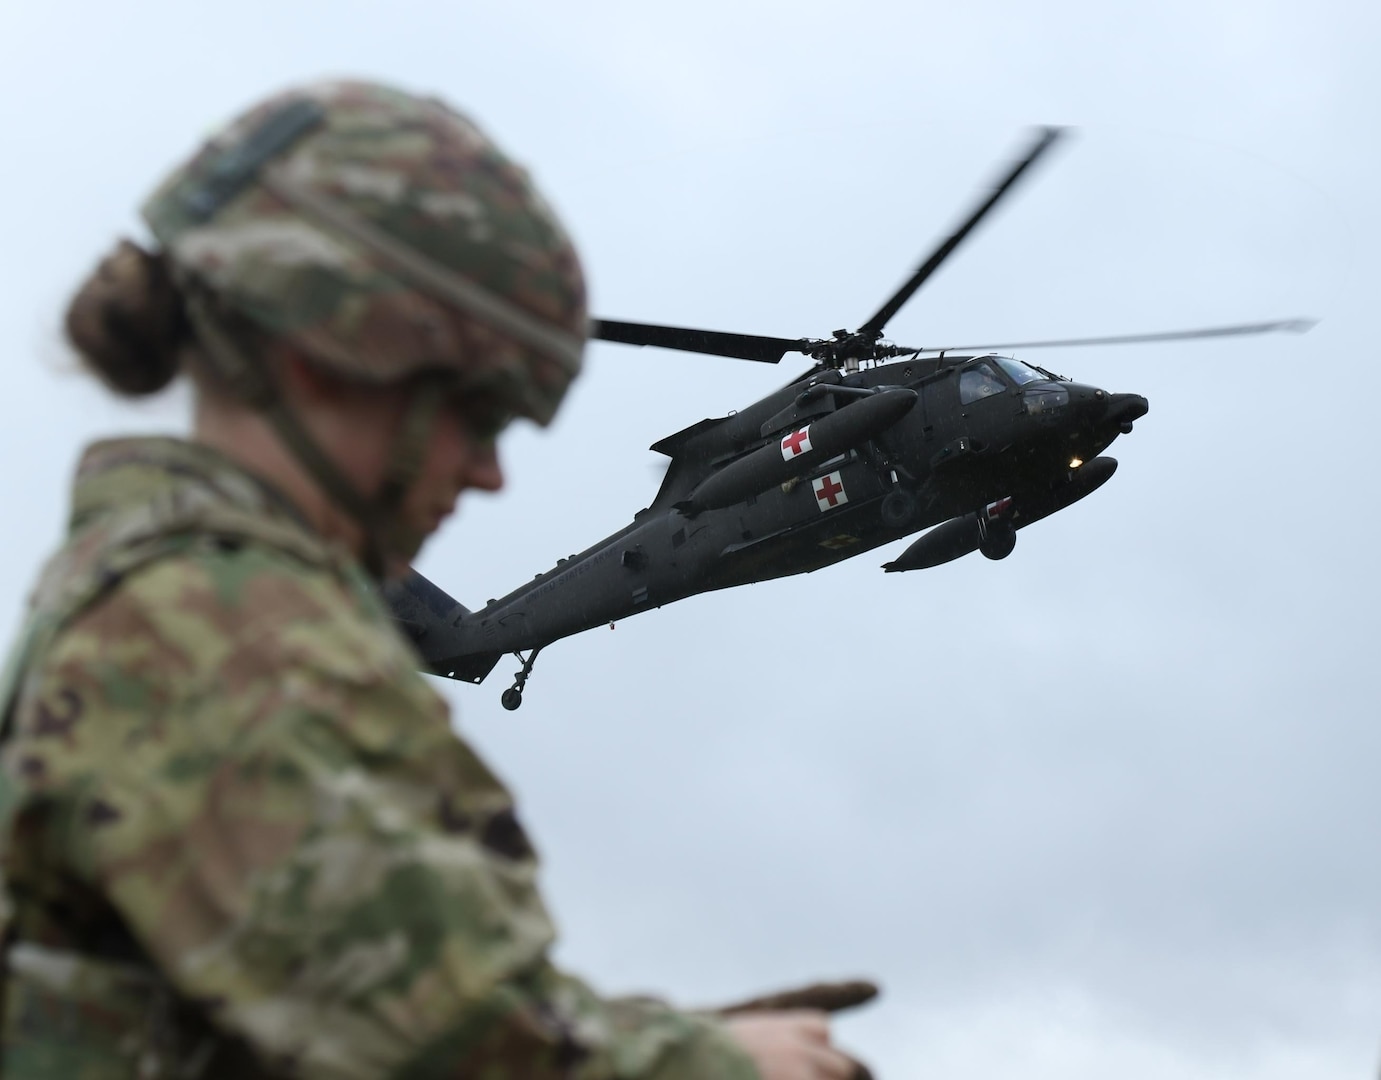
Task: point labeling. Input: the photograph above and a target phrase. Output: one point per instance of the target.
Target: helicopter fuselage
(878, 441)
(985, 444)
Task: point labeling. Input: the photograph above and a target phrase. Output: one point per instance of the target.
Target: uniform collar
(116, 474)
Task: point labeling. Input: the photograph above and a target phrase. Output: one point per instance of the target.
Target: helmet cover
(385, 235)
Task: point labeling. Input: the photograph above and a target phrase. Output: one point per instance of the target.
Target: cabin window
(978, 382)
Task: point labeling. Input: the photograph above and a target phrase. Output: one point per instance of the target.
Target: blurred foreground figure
(238, 836)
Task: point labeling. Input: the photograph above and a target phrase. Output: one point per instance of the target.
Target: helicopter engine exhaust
(800, 450)
(962, 535)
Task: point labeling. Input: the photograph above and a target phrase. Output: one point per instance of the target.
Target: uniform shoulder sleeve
(259, 781)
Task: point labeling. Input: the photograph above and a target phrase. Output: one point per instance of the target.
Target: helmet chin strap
(384, 530)
(406, 459)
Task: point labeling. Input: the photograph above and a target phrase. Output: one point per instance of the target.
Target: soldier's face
(361, 428)
(461, 455)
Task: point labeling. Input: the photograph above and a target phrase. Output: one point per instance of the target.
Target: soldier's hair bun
(128, 321)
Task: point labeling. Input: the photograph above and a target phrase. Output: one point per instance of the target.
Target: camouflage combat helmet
(384, 235)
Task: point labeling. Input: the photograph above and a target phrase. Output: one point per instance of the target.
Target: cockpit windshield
(1020, 373)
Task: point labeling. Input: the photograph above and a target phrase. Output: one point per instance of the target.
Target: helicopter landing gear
(996, 538)
(513, 696)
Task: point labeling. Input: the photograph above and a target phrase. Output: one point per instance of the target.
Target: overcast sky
(1108, 807)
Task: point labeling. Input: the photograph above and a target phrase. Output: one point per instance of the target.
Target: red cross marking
(793, 443)
(826, 489)
(996, 509)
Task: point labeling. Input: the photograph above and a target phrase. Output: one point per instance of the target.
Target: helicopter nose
(1125, 408)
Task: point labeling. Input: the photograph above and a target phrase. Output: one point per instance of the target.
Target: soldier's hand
(793, 1045)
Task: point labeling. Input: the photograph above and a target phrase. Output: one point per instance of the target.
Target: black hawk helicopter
(855, 453)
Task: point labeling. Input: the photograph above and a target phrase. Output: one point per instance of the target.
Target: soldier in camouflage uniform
(237, 834)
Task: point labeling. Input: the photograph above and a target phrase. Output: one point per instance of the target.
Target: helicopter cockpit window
(1020, 373)
(979, 381)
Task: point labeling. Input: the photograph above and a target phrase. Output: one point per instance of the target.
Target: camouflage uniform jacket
(224, 775)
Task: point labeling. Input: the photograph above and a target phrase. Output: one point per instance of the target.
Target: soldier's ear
(306, 383)
(299, 379)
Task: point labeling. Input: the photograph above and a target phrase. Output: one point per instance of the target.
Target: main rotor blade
(767, 350)
(1294, 326)
(873, 327)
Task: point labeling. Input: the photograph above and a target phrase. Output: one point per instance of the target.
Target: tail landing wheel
(513, 696)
